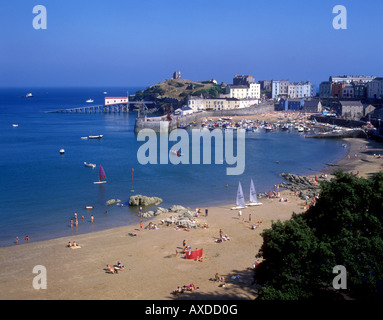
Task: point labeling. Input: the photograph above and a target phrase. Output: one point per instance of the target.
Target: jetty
(117, 108)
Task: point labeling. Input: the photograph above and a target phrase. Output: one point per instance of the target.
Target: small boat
(253, 196)
(96, 137)
(88, 164)
(29, 95)
(15, 125)
(240, 202)
(101, 176)
(89, 100)
(300, 129)
(84, 138)
(268, 128)
(62, 151)
(89, 207)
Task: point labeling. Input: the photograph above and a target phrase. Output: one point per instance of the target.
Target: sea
(41, 189)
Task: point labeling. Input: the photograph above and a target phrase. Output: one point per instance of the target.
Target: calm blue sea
(41, 189)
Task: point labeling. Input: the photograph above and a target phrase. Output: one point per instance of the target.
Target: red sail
(101, 174)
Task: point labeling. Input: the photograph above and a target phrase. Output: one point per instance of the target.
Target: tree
(345, 227)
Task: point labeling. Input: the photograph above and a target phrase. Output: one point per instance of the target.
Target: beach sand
(152, 268)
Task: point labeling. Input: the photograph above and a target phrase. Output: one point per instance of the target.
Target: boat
(240, 202)
(253, 196)
(268, 128)
(29, 95)
(84, 138)
(15, 125)
(62, 151)
(96, 137)
(300, 129)
(88, 164)
(89, 100)
(101, 176)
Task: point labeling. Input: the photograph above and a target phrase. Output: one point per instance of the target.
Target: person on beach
(206, 211)
(249, 217)
(91, 218)
(141, 225)
(27, 238)
(17, 240)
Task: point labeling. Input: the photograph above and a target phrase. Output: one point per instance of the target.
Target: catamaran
(101, 176)
(253, 196)
(240, 202)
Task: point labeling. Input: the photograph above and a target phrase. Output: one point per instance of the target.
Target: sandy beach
(152, 267)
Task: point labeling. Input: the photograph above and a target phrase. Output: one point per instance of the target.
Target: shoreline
(79, 274)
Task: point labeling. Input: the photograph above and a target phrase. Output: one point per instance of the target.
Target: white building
(196, 103)
(250, 91)
(275, 89)
(109, 101)
(350, 79)
(301, 90)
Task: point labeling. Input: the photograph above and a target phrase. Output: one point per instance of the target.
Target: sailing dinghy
(240, 202)
(101, 176)
(253, 196)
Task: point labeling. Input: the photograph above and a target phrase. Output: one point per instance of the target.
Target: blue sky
(139, 43)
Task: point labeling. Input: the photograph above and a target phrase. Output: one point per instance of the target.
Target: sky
(140, 43)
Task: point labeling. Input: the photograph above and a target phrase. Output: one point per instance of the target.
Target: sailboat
(101, 176)
(253, 196)
(240, 202)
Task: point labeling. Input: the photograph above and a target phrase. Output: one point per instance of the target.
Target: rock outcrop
(300, 183)
(144, 201)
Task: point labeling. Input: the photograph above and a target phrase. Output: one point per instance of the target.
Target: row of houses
(278, 89)
(352, 87)
(243, 93)
(353, 110)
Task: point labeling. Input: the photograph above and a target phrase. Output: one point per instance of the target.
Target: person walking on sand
(141, 225)
(249, 217)
(206, 211)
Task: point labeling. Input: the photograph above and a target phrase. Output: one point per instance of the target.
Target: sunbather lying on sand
(219, 278)
(111, 269)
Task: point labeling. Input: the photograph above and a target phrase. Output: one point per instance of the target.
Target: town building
(375, 88)
(312, 106)
(243, 80)
(325, 89)
(290, 104)
(350, 79)
(337, 90)
(250, 91)
(348, 91)
(351, 109)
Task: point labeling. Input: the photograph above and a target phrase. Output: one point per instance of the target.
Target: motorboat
(89, 100)
(90, 165)
(96, 137)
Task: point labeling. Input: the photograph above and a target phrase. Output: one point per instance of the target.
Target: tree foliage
(345, 227)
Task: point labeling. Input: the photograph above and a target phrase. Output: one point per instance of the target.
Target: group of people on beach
(73, 245)
(185, 288)
(117, 267)
(74, 220)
